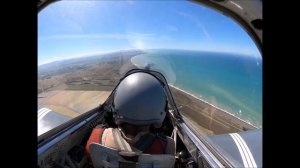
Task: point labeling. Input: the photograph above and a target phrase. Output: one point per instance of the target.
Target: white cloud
(172, 28)
(81, 54)
(72, 13)
(197, 23)
(143, 36)
(138, 44)
(138, 40)
(84, 36)
(131, 2)
(204, 31)
(135, 39)
(117, 36)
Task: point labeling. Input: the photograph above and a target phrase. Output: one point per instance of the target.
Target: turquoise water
(230, 81)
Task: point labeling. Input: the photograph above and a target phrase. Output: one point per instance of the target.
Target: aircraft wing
(49, 119)
(243, 149)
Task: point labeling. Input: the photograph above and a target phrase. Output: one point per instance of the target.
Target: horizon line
(128, 49)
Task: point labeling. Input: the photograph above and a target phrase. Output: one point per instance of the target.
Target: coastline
(207, 117)
(190, 94)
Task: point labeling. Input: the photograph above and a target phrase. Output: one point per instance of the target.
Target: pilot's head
(139, 101)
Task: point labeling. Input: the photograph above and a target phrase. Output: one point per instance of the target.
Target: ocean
(232, 82)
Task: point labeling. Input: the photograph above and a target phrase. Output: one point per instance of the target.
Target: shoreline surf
(204, 101)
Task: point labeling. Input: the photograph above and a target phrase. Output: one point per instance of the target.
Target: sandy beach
(206, 117)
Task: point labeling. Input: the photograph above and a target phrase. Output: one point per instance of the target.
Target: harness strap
(148, 143)
(120, 141)
(96, 137)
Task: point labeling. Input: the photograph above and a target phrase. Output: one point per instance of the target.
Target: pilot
(139, 104)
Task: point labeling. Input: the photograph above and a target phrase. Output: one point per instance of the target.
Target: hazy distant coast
(94, 73)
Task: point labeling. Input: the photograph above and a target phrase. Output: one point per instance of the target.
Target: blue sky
(69, 29)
